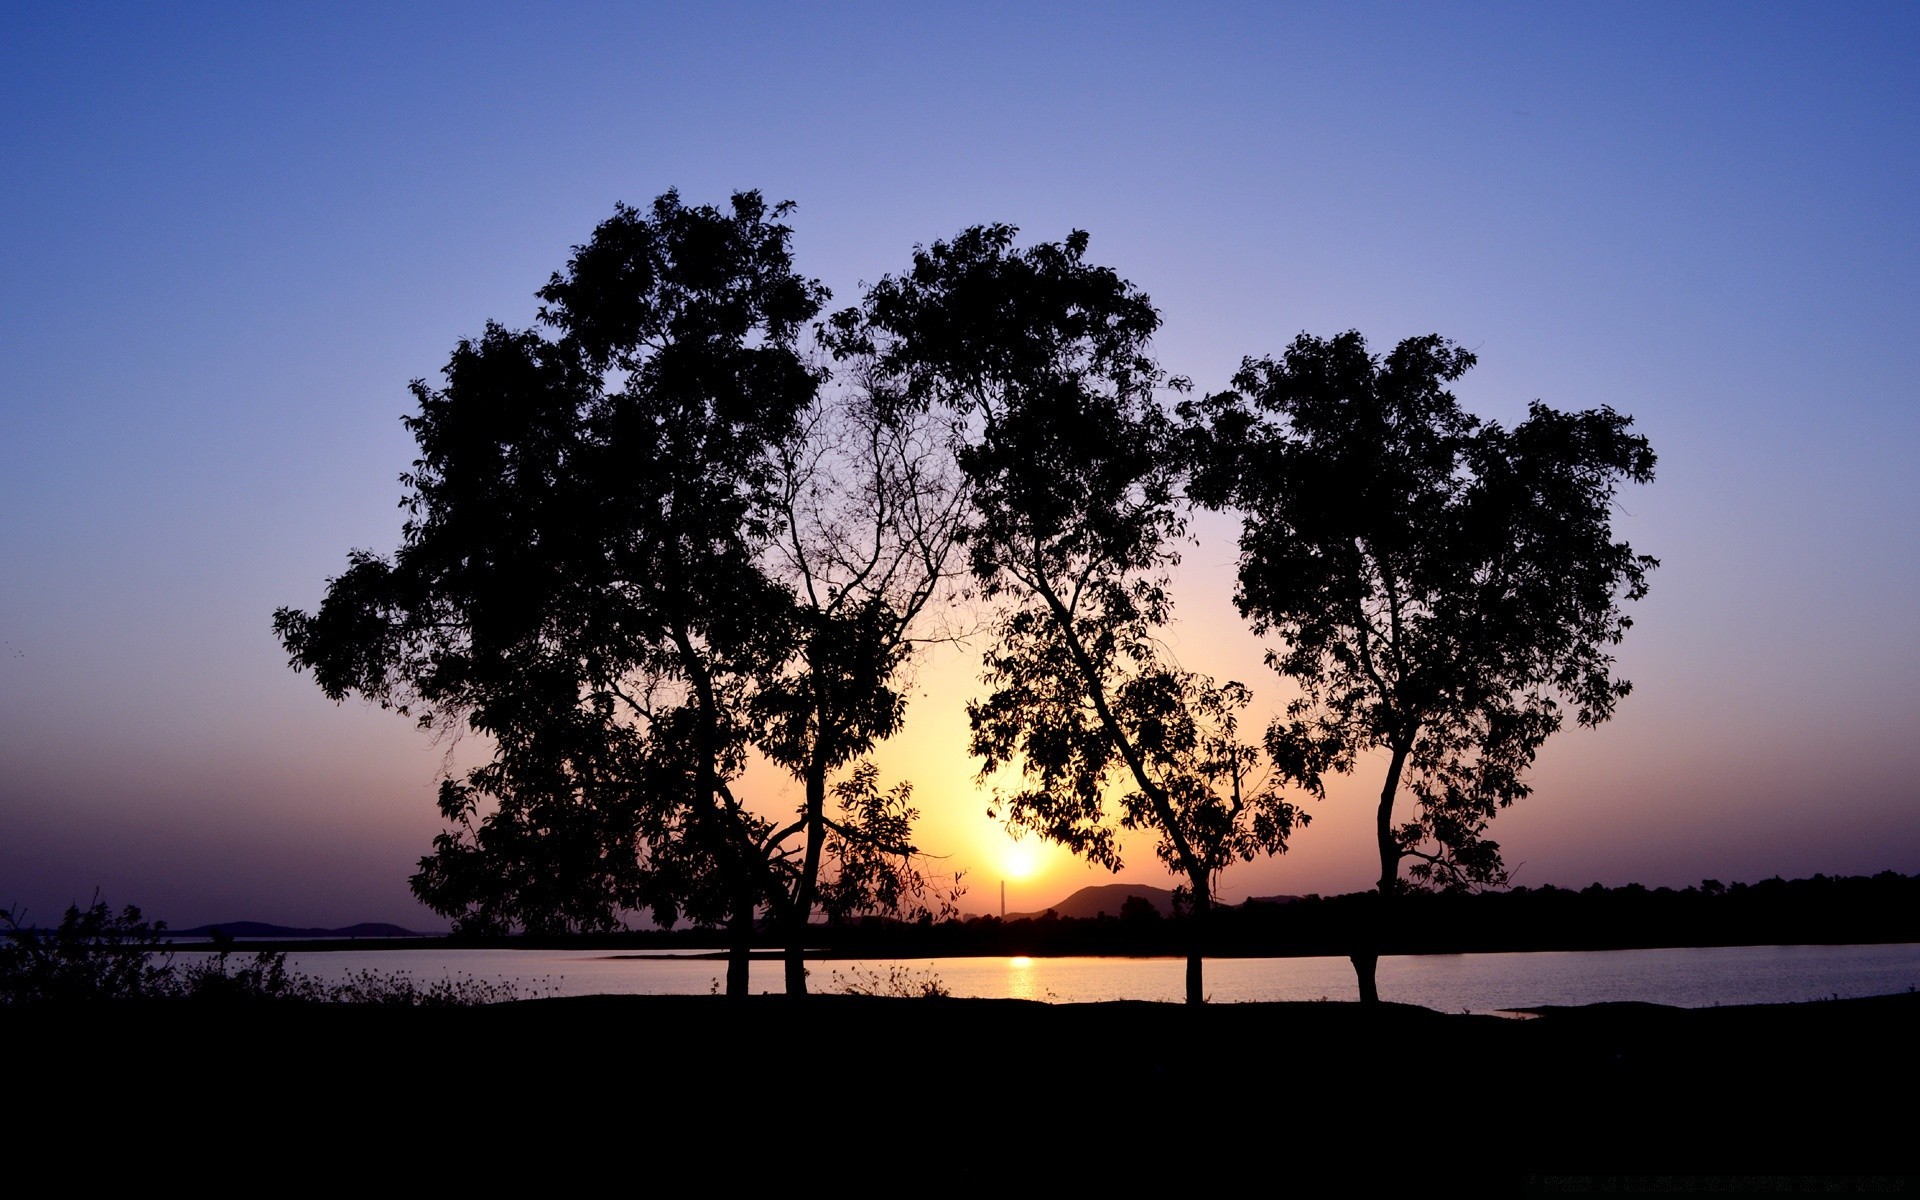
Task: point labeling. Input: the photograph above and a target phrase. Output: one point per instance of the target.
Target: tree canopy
(606, 571)
(1441, 588)
(1074, 471)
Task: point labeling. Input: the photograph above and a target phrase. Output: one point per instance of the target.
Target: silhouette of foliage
(868, 512)
(1074, 471)
(1442, 588)
(94, 954)
(632, 557)
(578, 577)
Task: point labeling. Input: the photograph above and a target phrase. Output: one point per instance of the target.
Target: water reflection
(1022, 980)
(1694, 978)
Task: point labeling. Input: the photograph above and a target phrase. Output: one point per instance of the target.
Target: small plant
(398, 989)
(897, 981)
(263, 977)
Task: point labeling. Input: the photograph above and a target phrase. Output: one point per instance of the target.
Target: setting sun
(1019, 859)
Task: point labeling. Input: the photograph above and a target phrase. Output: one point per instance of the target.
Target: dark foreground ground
(862, 1095)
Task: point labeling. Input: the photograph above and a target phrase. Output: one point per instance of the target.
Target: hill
(260, 929)
(1104, 898)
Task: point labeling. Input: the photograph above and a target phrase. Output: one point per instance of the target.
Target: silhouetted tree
(1073, 469)
(1440, 586)
(868, 509)
(590, 575)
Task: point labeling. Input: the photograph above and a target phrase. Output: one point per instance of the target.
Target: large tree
(1443, 590)
(590, 577)
(1074, 473)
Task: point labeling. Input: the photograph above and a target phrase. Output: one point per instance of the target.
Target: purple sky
(233, 234)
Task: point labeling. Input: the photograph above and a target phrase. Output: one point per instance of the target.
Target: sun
(1019, 859)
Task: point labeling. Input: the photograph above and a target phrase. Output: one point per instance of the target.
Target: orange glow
(1019, 859)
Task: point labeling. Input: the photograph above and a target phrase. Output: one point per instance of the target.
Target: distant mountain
(258, 929)
(1106, 898)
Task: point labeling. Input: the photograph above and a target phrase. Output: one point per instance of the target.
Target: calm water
(1693, 978)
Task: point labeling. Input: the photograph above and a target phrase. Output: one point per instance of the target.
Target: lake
(1690, 978)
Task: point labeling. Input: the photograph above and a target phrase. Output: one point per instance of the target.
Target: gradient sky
(232, 234)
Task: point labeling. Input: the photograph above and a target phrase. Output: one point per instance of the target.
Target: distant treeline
(1825, 909)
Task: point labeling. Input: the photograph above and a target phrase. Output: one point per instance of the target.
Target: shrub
(94, 954)
(897, 981)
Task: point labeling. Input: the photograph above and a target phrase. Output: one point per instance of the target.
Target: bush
(898, 981)
(93, 955)
(264, 977)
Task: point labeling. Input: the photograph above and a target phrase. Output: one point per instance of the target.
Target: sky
(233, 234)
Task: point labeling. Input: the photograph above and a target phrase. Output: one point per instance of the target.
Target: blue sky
(233, 234)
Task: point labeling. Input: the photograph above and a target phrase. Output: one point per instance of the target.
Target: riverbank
(970, 1090)
(1823, 910)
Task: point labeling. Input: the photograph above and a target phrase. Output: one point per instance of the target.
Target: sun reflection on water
(1021, 981)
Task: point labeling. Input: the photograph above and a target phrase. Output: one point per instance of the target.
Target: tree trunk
(739, 953)
(1197, 922)
(808, 885)
(1363, 967)
(796, 964)
(1373, 918)
(783, 915)
(724, 832)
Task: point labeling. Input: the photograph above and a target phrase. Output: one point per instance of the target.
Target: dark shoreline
(1395, 1093)
(1821, 910)
(616, 945)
